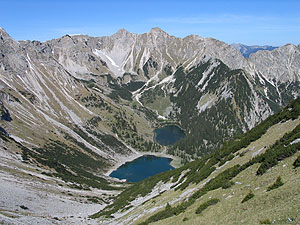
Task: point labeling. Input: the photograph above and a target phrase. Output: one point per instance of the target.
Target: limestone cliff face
(280, 65)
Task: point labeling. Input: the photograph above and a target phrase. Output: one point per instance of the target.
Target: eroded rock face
(280, 65)
(4, 113)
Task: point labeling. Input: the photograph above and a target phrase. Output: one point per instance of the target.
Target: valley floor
(29, 197)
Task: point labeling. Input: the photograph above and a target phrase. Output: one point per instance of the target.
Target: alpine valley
(75, 108)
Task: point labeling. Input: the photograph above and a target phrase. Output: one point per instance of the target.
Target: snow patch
(261, 80)
(112, 65)
(257, 152)
(169, 79)
(100, 53)
(206, 73)
(226, 94)
(206, 102)
(161, 117)
(228, 197)
(266, 92)
(295, 141)
(19, 140)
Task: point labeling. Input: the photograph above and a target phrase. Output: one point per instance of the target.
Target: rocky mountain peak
(193, 37)
(65, 41)
(157, 30)
(122, 33)
(290, 46)
(282, 64)
(7, 43)
(4, 35)
(128, 52)
(236, 46)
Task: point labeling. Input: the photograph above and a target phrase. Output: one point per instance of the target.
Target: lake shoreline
(175, 160)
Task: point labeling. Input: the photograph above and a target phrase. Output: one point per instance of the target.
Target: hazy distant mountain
(248, 50)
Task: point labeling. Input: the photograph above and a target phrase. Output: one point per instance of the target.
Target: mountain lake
(149, 165)
(168, 135)
(142, 168)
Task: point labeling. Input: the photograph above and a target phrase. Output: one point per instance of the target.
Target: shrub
(248, 197)
(23, 207)
(277, 184)
(227, 184)
(134, 105)
(297, 162)
(266, 221)
(203, 206)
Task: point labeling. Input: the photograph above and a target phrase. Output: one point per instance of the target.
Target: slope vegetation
(253, 178)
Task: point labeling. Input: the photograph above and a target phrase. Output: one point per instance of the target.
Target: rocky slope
(213, 102)
(64, 126)
(280, 65)
(47, 100)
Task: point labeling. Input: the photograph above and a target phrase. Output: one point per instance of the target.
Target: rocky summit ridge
(126, 52)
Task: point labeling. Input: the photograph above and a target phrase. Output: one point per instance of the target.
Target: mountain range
(75, 107)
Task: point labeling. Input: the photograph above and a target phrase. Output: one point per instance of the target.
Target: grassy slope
(230, 210)
(281, 203)
(160, 104)
(210, 173)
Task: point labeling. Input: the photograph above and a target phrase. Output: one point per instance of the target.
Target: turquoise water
(142, 168)
(168, 135)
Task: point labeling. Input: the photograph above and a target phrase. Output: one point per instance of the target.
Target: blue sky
(248, 22)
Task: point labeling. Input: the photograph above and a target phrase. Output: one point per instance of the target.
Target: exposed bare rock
(280, 65)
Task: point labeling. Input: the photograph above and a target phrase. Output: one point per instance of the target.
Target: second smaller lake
(142, 168)
(168, 135)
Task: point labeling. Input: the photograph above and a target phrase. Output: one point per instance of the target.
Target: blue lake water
(142, 168)
(168, 135)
